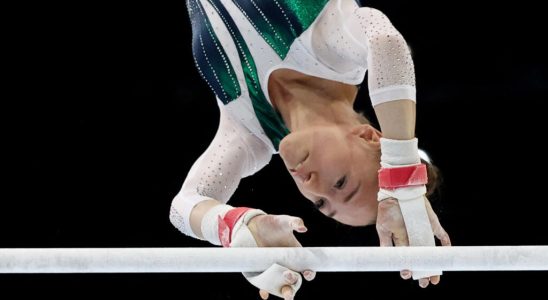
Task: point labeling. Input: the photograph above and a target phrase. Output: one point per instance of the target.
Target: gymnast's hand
(392, 231)
(277, 231)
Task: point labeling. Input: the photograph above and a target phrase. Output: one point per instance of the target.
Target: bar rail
(321, 259)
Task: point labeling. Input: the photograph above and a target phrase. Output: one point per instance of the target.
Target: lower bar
(324, 259)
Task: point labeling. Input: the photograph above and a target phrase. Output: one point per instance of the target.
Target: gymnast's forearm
(220, 223)
(397, 119)
(198, 213)
(392, 83)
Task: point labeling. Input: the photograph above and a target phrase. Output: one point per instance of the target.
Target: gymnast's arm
(391, 74)
(199, 210)
(234, 153)
(347, 35)
(391, 83)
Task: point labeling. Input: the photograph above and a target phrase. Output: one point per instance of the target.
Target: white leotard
(238, 44)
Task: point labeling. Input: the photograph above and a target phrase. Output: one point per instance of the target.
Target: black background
(109, 114)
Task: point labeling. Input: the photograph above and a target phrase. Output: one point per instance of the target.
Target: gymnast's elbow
(390, 42)
(379, 31)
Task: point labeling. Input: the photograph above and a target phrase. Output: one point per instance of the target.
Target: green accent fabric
(269, 119)
(280, 22)
(305, 11)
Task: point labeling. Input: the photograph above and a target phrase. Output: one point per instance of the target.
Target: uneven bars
(322, 259)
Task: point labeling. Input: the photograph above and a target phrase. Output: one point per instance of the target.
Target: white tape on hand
(411, 199)
(415, 216)
(272, 279)
(241, 235)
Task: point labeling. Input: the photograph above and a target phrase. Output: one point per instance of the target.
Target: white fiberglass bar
(325, 259)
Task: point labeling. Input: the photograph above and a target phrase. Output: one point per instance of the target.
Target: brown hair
(434, 180)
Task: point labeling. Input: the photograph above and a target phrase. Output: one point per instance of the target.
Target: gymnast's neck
(305, 101)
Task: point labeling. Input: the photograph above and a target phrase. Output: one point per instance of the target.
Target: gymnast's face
(336, 167)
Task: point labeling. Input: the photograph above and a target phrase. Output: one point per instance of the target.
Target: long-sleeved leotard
(237, 44)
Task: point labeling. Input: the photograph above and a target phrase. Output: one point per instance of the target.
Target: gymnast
(285, 74)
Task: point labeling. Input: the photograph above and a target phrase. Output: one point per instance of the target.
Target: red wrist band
(391, 178)
(227, 223)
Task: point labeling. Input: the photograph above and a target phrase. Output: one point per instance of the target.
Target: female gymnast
(285, 76)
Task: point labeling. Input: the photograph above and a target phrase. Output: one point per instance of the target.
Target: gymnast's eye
(340, 184)
(320, 203)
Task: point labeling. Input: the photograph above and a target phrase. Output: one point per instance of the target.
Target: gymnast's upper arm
(389, 62)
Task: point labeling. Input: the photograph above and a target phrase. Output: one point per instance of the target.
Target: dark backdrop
(110, 113)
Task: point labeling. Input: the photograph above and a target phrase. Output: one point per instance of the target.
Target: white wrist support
(397, 153)
(210, 223)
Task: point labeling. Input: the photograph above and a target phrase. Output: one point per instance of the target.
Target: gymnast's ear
(366, 132)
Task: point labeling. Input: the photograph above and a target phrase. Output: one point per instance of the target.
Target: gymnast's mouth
(300, 164)
(300, 172)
